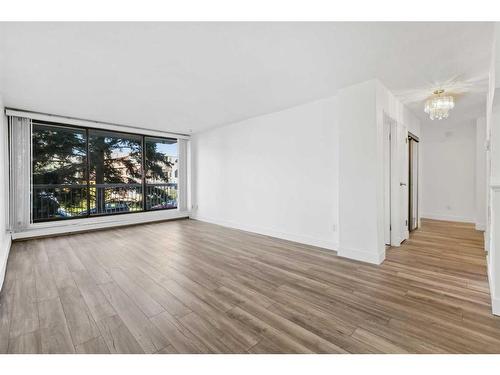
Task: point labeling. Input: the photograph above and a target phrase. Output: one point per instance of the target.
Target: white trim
(495, 302)
(183, 187)
(495, 306)
(481, 227)
(102, 222)
(492, 262)
(438, 216)
(307, 240)
(92, 123)
(4, 261)
(490, 278)
(363, 256)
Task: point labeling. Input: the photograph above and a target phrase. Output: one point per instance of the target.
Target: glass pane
(115, 172)
(58, 172)
(162, 173)
(115, 157)
(115, 198)
(59, 155)
(59, 201)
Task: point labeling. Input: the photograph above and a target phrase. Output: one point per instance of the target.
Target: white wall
(480, 201)
(362, 109)
(282, 174)
(361, 203)
(274, 174)
(4, 237)
(448, 158)
(399, 112)
(405, 121)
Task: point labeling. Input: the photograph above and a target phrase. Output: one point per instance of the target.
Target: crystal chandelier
(439, 105)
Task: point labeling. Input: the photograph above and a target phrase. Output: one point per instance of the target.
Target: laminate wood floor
(193, 287)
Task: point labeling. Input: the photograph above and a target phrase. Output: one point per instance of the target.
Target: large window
(87, 172)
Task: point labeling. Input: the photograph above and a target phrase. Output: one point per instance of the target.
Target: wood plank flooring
(192, 287)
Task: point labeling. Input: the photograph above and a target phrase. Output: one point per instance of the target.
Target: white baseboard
(447, 217)
(3, 260)
(363, 256)
(307, 240)
(495, 302)
(101, 222)
(480, 226)
(495, 306)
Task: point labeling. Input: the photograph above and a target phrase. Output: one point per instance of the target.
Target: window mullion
(88, 171)
(143, 173)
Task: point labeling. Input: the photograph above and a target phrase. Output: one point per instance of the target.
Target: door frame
(414, 138)
(398, 165)
(388, 165)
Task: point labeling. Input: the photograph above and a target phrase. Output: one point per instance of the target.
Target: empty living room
(248, 185)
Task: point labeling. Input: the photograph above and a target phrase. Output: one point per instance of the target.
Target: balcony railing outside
(80, 200)
(59, 201)
(161, 196)
(115, 198)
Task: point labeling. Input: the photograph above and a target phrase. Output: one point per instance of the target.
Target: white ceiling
(192, 76)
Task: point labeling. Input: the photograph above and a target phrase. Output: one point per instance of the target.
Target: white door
(413, 186)
(403, 184)
(387, 181)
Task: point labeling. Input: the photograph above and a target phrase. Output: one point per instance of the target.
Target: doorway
(413, 143)
(396, 177)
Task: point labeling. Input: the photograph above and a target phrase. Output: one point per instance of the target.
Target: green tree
(114, 159)
(59, 155)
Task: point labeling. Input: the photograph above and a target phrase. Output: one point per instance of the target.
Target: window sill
(93, 223)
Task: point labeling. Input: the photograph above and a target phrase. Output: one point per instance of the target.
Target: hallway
(442, 267)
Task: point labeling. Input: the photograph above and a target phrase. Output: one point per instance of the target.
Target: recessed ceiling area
(186, 77)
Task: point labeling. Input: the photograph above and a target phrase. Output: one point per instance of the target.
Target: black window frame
(88, 215)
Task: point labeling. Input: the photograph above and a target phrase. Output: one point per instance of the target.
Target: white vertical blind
(20, 169)
(183, 175)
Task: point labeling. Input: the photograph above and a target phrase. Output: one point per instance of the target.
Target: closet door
(403, 182)
(413, 198)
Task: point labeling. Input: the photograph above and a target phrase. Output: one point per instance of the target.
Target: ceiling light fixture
(438, 106)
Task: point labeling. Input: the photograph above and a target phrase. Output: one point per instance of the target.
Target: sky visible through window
(169, 149)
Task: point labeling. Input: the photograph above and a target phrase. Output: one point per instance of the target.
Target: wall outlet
(334, 227)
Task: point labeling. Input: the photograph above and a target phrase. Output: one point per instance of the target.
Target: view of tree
(156, 162)
(159, 161)
(60, 158)
(114, 159)
(59, 155)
